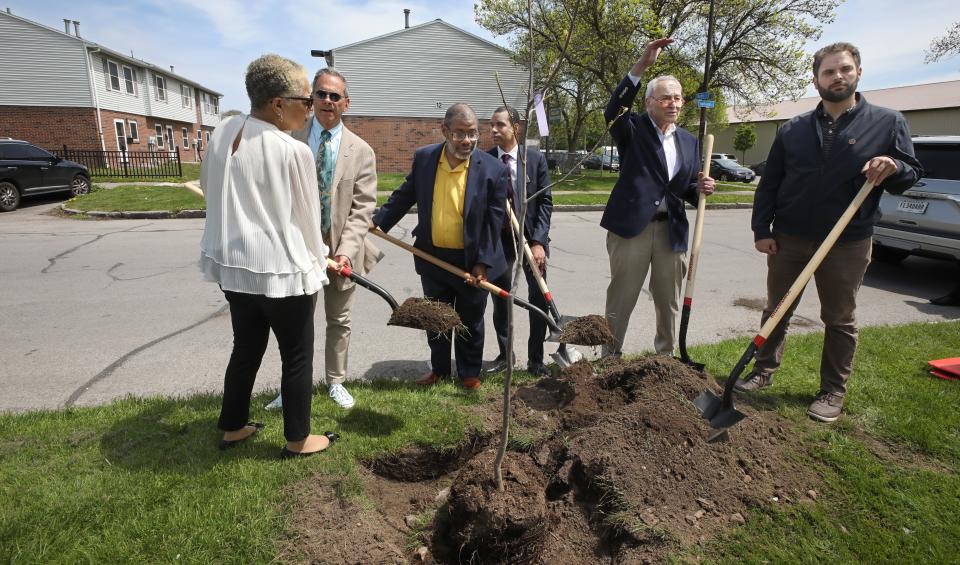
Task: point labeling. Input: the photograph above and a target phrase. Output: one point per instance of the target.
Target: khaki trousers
(336, 306)
(838, 278)
(630, 259)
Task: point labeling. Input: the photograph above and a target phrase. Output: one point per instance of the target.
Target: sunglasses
(323, 94)
(308, 102)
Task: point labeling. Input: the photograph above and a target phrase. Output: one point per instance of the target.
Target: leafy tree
(744, 138)
(945, 46)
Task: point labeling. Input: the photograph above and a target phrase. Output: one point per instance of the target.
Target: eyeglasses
(323, 94)
(307, 101)
(460, 136)
(664, 100)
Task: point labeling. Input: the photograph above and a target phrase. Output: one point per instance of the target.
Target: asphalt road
(96, 310)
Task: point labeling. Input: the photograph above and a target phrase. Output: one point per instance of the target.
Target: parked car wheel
(724, 177)
(9, 197)
(889, 255)
(79, 185)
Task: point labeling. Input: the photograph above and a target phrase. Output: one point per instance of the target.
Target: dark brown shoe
(429, 379)
(470, 383)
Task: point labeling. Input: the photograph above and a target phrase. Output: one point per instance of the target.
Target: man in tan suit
(347, 179)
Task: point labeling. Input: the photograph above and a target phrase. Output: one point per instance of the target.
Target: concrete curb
(185, 214)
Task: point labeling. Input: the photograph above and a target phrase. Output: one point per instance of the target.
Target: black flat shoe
(287, 454)
(228, 443)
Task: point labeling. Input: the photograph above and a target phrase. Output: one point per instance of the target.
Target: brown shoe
(754, 381)
(470, 383)
(827, 407)
(429, 379)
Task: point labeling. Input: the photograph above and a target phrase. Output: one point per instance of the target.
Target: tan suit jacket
(352, 202)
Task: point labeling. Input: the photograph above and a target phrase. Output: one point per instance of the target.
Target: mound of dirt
(485, 525)
(587, 330)
(617, 469)
(425, 314)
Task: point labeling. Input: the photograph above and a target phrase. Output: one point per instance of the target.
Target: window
(134, 130)
(159, 129)
(186, 94)
(216, 104)
(113, 75)
(939, 161)
(24, 151)
(161, 92)
(130, 80)
(207, 106)
(208, 137)
(186, 138)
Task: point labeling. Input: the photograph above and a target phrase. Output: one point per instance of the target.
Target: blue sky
(211, 41)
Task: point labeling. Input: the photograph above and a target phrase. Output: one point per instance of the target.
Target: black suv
(26, 170)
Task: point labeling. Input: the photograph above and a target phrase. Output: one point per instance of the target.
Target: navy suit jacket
(540, 209)
(483, 208)
(643, 180)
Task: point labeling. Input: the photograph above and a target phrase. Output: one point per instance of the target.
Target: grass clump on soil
(138, 198)
(426, 314)
(141, 480)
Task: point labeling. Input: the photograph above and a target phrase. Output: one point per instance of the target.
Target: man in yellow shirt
(460, 195)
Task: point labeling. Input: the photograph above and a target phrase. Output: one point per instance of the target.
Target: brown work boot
(827, 407)
(470, 383)
(429, 379)
(754, 381)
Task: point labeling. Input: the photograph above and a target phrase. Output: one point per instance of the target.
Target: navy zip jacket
(803, 193)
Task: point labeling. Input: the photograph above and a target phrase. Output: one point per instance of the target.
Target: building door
(121, 130)
(171, 147)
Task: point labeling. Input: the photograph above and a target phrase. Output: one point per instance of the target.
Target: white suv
(924, 220)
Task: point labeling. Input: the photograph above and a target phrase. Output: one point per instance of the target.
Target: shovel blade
(566, 356)
(712, 408)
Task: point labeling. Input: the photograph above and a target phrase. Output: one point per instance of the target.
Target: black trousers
(538, 326)
(470, 303)
(291, 319)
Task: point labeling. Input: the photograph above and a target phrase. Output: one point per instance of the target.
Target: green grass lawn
(133, 198)
(191, 171)
(141, 480)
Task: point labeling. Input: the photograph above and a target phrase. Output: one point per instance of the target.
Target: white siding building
(402, 83)
(58, 89)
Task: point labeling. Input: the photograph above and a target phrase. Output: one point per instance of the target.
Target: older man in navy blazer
(645, 218)
(506, 130)
(460, 195)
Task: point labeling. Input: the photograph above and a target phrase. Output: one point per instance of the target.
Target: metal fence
(125, 163)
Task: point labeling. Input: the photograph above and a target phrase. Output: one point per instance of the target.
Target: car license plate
(912, 206)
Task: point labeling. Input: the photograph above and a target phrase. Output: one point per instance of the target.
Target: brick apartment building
(57, 89)
(401, 83)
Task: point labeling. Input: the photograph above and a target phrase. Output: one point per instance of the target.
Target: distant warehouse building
(930, 109)
(400, 85)
(57, 89)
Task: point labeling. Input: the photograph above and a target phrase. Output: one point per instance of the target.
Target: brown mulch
(587, 330)
(619, 471)
(425, 314)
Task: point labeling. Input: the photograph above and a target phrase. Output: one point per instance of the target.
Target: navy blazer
(643, 171)
(483, 207)
(540, 209)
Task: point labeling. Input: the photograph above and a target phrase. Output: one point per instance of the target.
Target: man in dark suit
(645, 218)
(506, 131)
(460, 195)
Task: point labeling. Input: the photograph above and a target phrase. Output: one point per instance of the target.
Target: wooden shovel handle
(698, 226)
(529, 255)
(492, 288)
(812, 265)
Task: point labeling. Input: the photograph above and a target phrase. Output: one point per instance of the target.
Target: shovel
(694, 262)
(489, 287)
(366, 283)
(721, 412)
(565, 356)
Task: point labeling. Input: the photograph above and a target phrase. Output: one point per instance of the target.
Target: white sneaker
(340, 395)
(276, 404)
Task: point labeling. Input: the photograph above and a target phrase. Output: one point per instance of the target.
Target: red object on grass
(948, 369)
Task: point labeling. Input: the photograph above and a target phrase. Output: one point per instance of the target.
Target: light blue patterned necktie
(325, 165)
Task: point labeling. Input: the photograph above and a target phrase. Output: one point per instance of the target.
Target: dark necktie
(507, 225)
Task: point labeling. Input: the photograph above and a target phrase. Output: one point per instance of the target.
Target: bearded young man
(818, 162)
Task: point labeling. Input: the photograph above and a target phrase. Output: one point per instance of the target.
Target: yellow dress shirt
(449, 190)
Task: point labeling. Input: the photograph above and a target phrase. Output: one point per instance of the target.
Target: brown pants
(838, 279)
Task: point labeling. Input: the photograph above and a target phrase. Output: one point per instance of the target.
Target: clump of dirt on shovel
(587, 330)
(425, 314)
